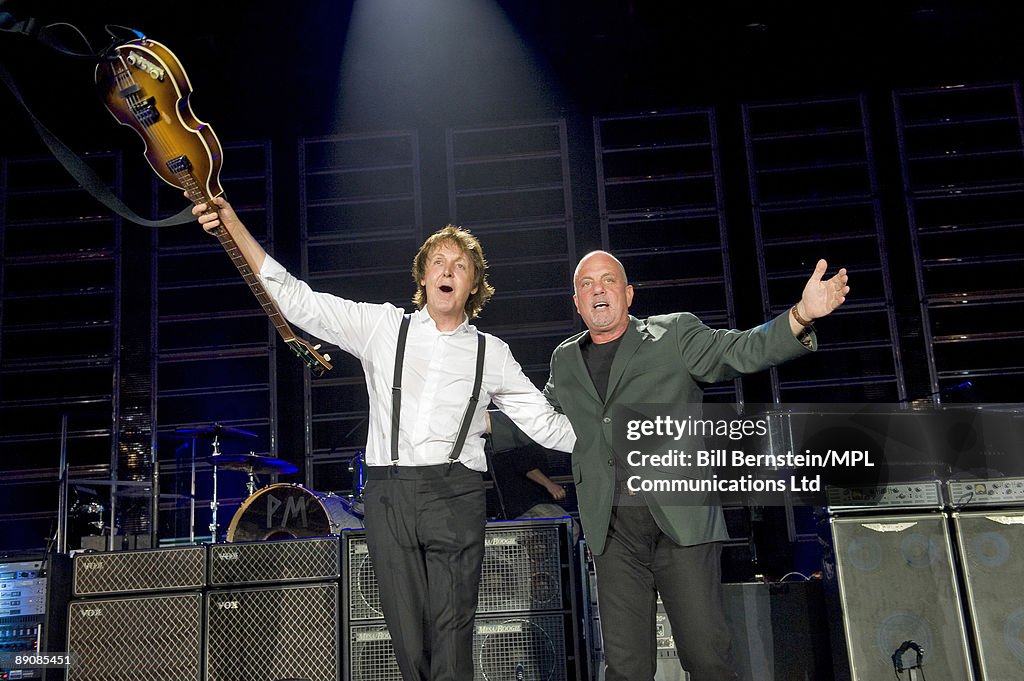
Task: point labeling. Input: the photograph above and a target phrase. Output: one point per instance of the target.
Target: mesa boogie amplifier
(511, 646)
(526, 567)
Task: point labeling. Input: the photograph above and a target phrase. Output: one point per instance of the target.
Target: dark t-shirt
(598, 357)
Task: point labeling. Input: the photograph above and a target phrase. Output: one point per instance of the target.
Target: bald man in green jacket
(644, 543)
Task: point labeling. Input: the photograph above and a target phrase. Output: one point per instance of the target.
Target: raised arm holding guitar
(145, 87)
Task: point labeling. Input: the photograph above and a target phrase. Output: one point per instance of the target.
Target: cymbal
(258, 464)
(215, 431)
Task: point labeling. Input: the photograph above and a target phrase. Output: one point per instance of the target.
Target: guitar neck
(245, 268)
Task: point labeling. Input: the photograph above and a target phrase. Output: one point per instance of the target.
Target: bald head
(602, 295)
(600, 255)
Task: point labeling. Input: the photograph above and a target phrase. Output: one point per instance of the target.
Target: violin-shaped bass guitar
(145, 87)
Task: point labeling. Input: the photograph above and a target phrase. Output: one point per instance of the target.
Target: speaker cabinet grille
(121, 572)
(897, 584)
(992, 545)
(156, 638)
(289, 632)
(524, 569)
(371, 656)
(282, 560)
(520, 646)
(528, 646)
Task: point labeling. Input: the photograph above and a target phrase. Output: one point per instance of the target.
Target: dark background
(282, 71)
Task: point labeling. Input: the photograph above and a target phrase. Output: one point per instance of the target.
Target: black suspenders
(396, 394)
(396, 389)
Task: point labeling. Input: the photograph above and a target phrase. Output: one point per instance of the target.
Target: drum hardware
(253, 464)
(214, 434)
(289, 511)
(357, 469)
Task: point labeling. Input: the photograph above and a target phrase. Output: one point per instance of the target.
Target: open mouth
(445, 288)
(598, 306)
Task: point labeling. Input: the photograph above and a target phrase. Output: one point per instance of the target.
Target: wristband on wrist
(800, 320)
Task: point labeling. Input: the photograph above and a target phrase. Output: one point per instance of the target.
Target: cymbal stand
(214, 504)
(250, 483)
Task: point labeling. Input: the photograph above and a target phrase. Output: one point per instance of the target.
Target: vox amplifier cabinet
(156, 637)
(279, 560)
(286, 632)
(125, 572)
(527, 567)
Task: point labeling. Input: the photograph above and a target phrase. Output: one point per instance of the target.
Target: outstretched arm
(222, 216)
(819, 297)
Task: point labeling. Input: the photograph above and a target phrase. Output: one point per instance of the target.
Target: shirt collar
(421, 316)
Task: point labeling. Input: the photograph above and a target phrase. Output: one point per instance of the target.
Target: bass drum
(287, 511)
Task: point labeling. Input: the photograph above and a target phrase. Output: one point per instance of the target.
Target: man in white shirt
(424, 499)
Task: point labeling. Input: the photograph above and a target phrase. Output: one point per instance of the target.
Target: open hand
(822, 297)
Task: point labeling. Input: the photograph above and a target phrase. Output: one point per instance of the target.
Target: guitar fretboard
(198, 195)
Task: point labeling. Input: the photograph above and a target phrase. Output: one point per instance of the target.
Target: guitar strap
(396, 394)
(83, 174)
(72, 162)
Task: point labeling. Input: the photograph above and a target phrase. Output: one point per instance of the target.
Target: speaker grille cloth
(147, 638)
(130, 571)
(993, 550)
(371, 654)
(274, 633)
(898, 585)
(522, 570)
(274, 561)
(526, 646)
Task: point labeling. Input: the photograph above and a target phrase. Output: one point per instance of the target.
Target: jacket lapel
(579, 367)
(628, 346)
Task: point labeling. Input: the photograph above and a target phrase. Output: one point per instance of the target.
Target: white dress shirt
(437, 375)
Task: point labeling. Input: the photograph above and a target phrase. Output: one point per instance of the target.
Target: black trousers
(639, 562)
(425, 533)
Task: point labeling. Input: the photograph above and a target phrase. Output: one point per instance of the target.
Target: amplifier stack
(928, 578)
(281, 599)
(298, 608)
(525, 621)
(125, 602)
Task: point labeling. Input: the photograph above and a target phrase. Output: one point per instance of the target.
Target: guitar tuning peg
(327, 357)
(317, 346)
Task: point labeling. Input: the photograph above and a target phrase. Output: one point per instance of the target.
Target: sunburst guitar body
(145, 87)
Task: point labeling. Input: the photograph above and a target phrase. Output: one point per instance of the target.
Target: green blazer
(659, 360)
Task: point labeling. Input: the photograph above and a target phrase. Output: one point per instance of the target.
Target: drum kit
(275, 511)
